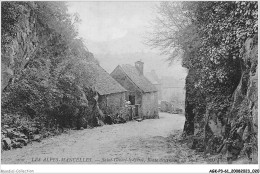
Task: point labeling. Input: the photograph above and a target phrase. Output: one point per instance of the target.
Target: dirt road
(149, 141)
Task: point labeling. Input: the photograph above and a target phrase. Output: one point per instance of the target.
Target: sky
(114, 32)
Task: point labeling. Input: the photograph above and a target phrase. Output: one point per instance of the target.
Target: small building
(111, 95)
(173, 91)
(154, 79)
(140, 91)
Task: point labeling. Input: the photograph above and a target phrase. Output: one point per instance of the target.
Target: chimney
(139, 65)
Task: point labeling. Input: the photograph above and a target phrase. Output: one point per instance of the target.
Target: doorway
(132, 99)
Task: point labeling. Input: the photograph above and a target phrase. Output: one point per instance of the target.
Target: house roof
(105, 84)
(151, 78)
(139, 80)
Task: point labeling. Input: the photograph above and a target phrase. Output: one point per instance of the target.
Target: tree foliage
(47, 57)
(209, 37)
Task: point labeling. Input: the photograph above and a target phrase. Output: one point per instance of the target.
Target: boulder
(101, 123)
(7, 143)
(20, 128)
(24, 130)
(47, 133)
(21, 135)
(17, 145)
(16, 134)
(139, 119)
(245, 134)
(115, 121)
(37, 138)
(22, 140)
(44, 135)
(108, 120)
(97, 122)
(30, 136)
(4, 132)
(10, 133)
(2, 136)
(89, 127)
(121, 120)
(36, 131)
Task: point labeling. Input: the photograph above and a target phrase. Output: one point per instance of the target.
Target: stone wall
(149, 105)
(112, 103)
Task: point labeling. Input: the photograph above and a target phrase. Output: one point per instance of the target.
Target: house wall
(124, 81)
(159, 88)
(150, 105)
(148, 101)
(113, 102)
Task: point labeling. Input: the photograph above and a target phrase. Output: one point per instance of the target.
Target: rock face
(7, 143)
(236, 135)
(16, 51)
(245, 106)
(37, 48)
(189, 107)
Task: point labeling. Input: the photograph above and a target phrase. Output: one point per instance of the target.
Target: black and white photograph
(129, 83)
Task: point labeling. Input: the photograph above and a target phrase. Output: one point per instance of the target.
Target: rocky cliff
(235, 132)
(45, 81)
(244, 110)
(19, 39)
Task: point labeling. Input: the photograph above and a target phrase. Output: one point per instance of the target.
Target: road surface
(148, 142)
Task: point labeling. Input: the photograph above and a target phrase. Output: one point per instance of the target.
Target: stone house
(110, 94)
(155, 80)
(141, 93)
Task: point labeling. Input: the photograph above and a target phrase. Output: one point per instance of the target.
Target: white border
(118, 168)
(91, 168)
